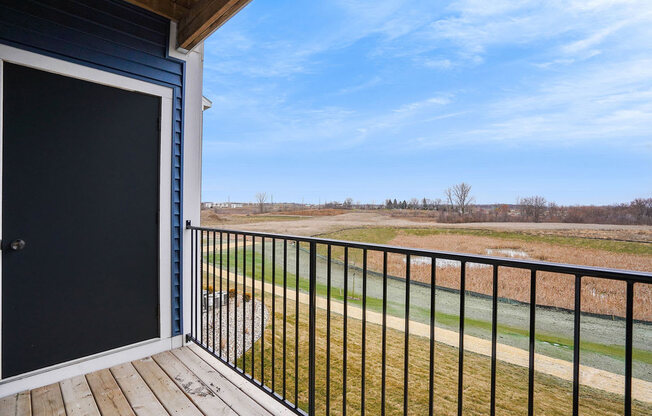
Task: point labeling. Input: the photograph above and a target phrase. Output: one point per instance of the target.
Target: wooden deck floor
(185, 381)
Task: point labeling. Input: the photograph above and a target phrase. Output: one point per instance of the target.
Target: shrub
(232, 293)
(246, 296)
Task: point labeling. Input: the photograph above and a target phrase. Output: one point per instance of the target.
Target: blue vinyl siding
(113, 36)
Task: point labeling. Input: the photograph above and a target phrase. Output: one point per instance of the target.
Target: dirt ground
(311, 225)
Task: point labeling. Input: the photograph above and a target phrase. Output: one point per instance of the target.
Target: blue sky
(324, 100)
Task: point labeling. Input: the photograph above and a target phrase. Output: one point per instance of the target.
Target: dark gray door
(80, 196)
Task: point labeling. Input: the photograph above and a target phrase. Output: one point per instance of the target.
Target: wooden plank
(230, 394)
(110, 399)
(201, 395)
(47, 401)
(203, 18)
(170, 396)
(24, 404)
(173, 10)
(248, 389)
(19, 404)
(140, 397)
(78, 398)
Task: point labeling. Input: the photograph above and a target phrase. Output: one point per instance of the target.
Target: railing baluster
(296, 329)
(273, 314)
(494, 338)
(221, 292)
(383, 387)
(235, 308)
(460, 371)
(228, 298)
(533, 304)
(193, 333)
(629, 338)
(202, 303)
(431, 373)
(406, 353)
(285, 313)
(344, 326)
(576, 345)
(253, 301)
(364, 329)
(262, 314)
(312, 327)
(214, 289)
(242, 301)
(328, 331)
(197, 280)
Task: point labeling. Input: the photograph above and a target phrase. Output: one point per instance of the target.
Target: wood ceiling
(196, 19)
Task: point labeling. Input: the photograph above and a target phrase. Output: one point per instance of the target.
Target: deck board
(167, 392)
(229, 393)
(183, 382)
(201, 395)
(47, 401)
(140, 397)
(78, 398)
(108, 396)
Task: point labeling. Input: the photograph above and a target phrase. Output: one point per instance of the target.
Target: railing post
(312, 311)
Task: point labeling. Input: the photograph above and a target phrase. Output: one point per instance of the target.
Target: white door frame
(126, 353)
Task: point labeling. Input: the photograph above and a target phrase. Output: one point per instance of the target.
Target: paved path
(589, 376)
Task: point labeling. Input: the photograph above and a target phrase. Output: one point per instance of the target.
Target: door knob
(17, 245)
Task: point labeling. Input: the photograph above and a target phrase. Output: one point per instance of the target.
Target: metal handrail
(202, 335)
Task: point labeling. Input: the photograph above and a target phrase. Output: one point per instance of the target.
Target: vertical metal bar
(431, 376)
(235, 309)
(273, 314)
(494, 338)
(344, 327)
(629, 338)
(201, 287)
(576, 345)
(228, 297)
(262, 315)
(214, 289)
(285, 313)
(197, 279)
(221, 292)
(328, 332)
(253, 302)
(296, 328)
(533, 303)
(312, 327)
(192, 283)
(406, 352)
(242, 298)
(460, 370)
(383, 385)
(364, 329)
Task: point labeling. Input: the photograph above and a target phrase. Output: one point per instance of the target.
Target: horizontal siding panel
(136, 32)
(54, 16)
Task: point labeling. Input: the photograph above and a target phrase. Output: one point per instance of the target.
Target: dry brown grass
(552, 396)
(598, 295)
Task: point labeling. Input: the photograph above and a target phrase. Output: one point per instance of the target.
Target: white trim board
(141, 349)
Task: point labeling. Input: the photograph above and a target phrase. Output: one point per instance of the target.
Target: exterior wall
(117, 37)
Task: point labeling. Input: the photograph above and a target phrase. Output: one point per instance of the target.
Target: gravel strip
(243, 328)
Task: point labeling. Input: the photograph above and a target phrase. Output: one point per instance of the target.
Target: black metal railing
(228, 266)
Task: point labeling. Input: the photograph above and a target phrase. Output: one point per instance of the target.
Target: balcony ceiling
(196, 19)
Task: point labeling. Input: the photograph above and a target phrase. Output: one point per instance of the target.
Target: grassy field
(383, 235)
(421, 314)
(598, 295)
(552, 396)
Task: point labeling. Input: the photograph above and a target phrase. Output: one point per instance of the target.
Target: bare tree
(261, 198)
(534, 207)
(460, 197)
(449, 199)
